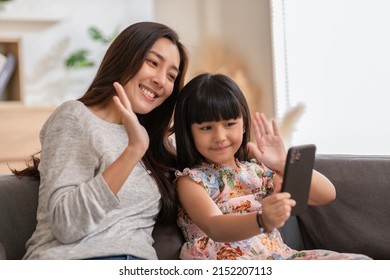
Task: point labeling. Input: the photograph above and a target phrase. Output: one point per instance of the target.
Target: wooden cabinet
(14, 89)
(19, 134)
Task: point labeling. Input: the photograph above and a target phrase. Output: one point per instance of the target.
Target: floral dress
(238, 191)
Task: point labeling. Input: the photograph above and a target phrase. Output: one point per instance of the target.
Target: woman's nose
(159, 78)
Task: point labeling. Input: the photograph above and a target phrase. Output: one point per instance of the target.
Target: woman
(107, 163)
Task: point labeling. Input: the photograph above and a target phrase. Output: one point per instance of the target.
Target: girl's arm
(227, 228)
(269, 150)
(322, 190)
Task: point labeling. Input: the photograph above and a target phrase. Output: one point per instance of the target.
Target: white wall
(244, 25)
(51, 30)
(339, 67)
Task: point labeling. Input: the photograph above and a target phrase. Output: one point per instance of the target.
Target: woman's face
(154, 82)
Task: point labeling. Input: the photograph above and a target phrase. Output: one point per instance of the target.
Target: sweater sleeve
(77, 198)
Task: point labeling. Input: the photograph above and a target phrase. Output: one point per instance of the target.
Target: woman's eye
(172, 77)
(152, 62)
(205, 128)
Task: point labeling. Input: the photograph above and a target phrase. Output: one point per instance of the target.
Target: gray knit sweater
(78, 216)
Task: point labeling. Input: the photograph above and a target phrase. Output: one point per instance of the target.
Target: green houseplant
(79, 58)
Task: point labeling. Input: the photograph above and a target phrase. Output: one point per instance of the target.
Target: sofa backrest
(358, 221)
(18, 206)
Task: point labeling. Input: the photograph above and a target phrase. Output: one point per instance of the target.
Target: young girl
(231, 207)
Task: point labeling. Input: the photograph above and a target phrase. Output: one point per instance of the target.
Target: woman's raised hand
(269, 148)
(137, 134)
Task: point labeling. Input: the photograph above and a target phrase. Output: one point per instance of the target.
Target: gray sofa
(358, 221)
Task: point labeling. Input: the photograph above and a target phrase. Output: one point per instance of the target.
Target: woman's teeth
(148, 93)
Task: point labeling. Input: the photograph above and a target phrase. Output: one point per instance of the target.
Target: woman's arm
(71, 194)
(117, 173)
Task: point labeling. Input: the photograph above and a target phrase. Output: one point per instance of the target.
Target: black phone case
(297, 175)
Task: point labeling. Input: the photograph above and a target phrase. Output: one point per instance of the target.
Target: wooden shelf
(29, 19)
(19, 130)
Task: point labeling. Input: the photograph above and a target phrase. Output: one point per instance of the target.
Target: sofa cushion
(168, 240)
(291, 234)
(2, 252)
(18, 206)
(358, 221)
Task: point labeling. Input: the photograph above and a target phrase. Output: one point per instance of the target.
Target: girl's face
(218, 141)
(154, 82)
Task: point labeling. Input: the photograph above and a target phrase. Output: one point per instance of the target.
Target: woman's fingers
(122, 96)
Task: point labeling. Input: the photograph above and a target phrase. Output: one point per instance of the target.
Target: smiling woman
(106, 164)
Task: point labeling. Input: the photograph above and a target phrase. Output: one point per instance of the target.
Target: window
(333, 56)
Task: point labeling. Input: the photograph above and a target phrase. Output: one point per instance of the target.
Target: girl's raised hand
(137, 134)
(269, 148)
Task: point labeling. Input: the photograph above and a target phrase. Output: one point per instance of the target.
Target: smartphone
(297, 175)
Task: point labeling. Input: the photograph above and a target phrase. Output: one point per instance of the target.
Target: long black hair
(207, 97)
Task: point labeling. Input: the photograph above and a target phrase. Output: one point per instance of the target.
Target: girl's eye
(205, 128)
(230, 123)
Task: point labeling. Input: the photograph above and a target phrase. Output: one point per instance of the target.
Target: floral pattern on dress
(238, 191)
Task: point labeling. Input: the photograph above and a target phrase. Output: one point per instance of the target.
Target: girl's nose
(220, 135)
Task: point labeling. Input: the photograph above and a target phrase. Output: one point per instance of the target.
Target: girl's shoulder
(208, 178)
(207, 170)
(198, 173)
(258, 168)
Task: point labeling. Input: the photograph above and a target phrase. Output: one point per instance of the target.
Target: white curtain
(334, 57)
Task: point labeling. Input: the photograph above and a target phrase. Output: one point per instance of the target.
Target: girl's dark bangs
(214, 106)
